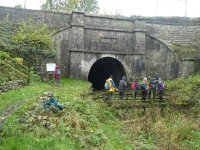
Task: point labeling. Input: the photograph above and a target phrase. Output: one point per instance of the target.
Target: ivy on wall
(188, 51)
(26, 43)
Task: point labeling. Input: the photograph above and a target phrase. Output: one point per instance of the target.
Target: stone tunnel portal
(102, 69)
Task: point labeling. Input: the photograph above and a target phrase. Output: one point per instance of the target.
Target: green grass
(175, 128)
(83, 124)
(22, 94)
(88, 124)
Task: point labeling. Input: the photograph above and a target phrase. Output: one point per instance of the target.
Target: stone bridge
(93, 47)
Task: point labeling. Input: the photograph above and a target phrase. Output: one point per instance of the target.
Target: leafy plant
(10, 69)
(30, 43)
(186, 51)
(70, 5)
(184, 89)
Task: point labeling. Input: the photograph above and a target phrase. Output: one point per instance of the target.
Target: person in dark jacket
(160, 88)
(152, 88)
(144, 88)
(122, 86)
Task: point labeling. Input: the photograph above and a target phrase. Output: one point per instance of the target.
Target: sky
(130, 7)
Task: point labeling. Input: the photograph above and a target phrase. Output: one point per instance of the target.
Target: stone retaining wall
(11, 85)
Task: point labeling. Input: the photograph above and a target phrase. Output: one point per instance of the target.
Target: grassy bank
(88, 124)
(22, 94)
(82, 124)
(172, 128)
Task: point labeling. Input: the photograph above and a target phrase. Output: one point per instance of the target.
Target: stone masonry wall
(168, 30)
(11, 85)
(56, 20)
(62, 42)
(134, 65)
(160, 59)
(108, 23)
(141, 45)
(114, 41)
(175, 34)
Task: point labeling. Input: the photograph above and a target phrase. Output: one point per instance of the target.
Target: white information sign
(50, 66)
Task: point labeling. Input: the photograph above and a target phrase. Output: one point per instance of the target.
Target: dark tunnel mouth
(102, 69)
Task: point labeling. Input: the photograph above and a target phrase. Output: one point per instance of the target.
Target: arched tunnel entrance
(102, 69)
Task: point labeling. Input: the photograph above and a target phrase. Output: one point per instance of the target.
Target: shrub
(10, 70)
(184, 89)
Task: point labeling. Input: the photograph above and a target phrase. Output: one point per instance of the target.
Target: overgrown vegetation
(33, 43)
(82, 124)
(174, 127)
(88, 124)
(11, 69)
(185, 89)
(174, 130)
(190, 51)
(29, 44)
(70, 5)
(7, 30)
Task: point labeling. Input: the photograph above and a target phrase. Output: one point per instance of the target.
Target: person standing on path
(144, 88)
(161, 88)
(136, 87)
(152, 88)
(122, 86)
(110, 87)
(57, 75)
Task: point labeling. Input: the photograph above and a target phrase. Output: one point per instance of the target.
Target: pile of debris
(51, 103)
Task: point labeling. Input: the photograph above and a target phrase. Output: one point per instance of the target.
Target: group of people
(146, 88)
(149, 88)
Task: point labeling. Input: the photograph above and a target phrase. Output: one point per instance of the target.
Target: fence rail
(130, 102)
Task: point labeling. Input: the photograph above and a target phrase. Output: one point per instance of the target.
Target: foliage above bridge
(30, 42)
(70, 5)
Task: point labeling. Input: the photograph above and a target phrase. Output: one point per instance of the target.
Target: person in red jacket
(136, 87)
(57, 75)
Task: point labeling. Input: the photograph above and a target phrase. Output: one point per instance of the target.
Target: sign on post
(50, 67)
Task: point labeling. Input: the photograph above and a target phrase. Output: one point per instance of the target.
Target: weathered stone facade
(93, 47)
(125, 44)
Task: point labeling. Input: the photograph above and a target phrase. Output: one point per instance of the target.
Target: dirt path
(8, 111)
